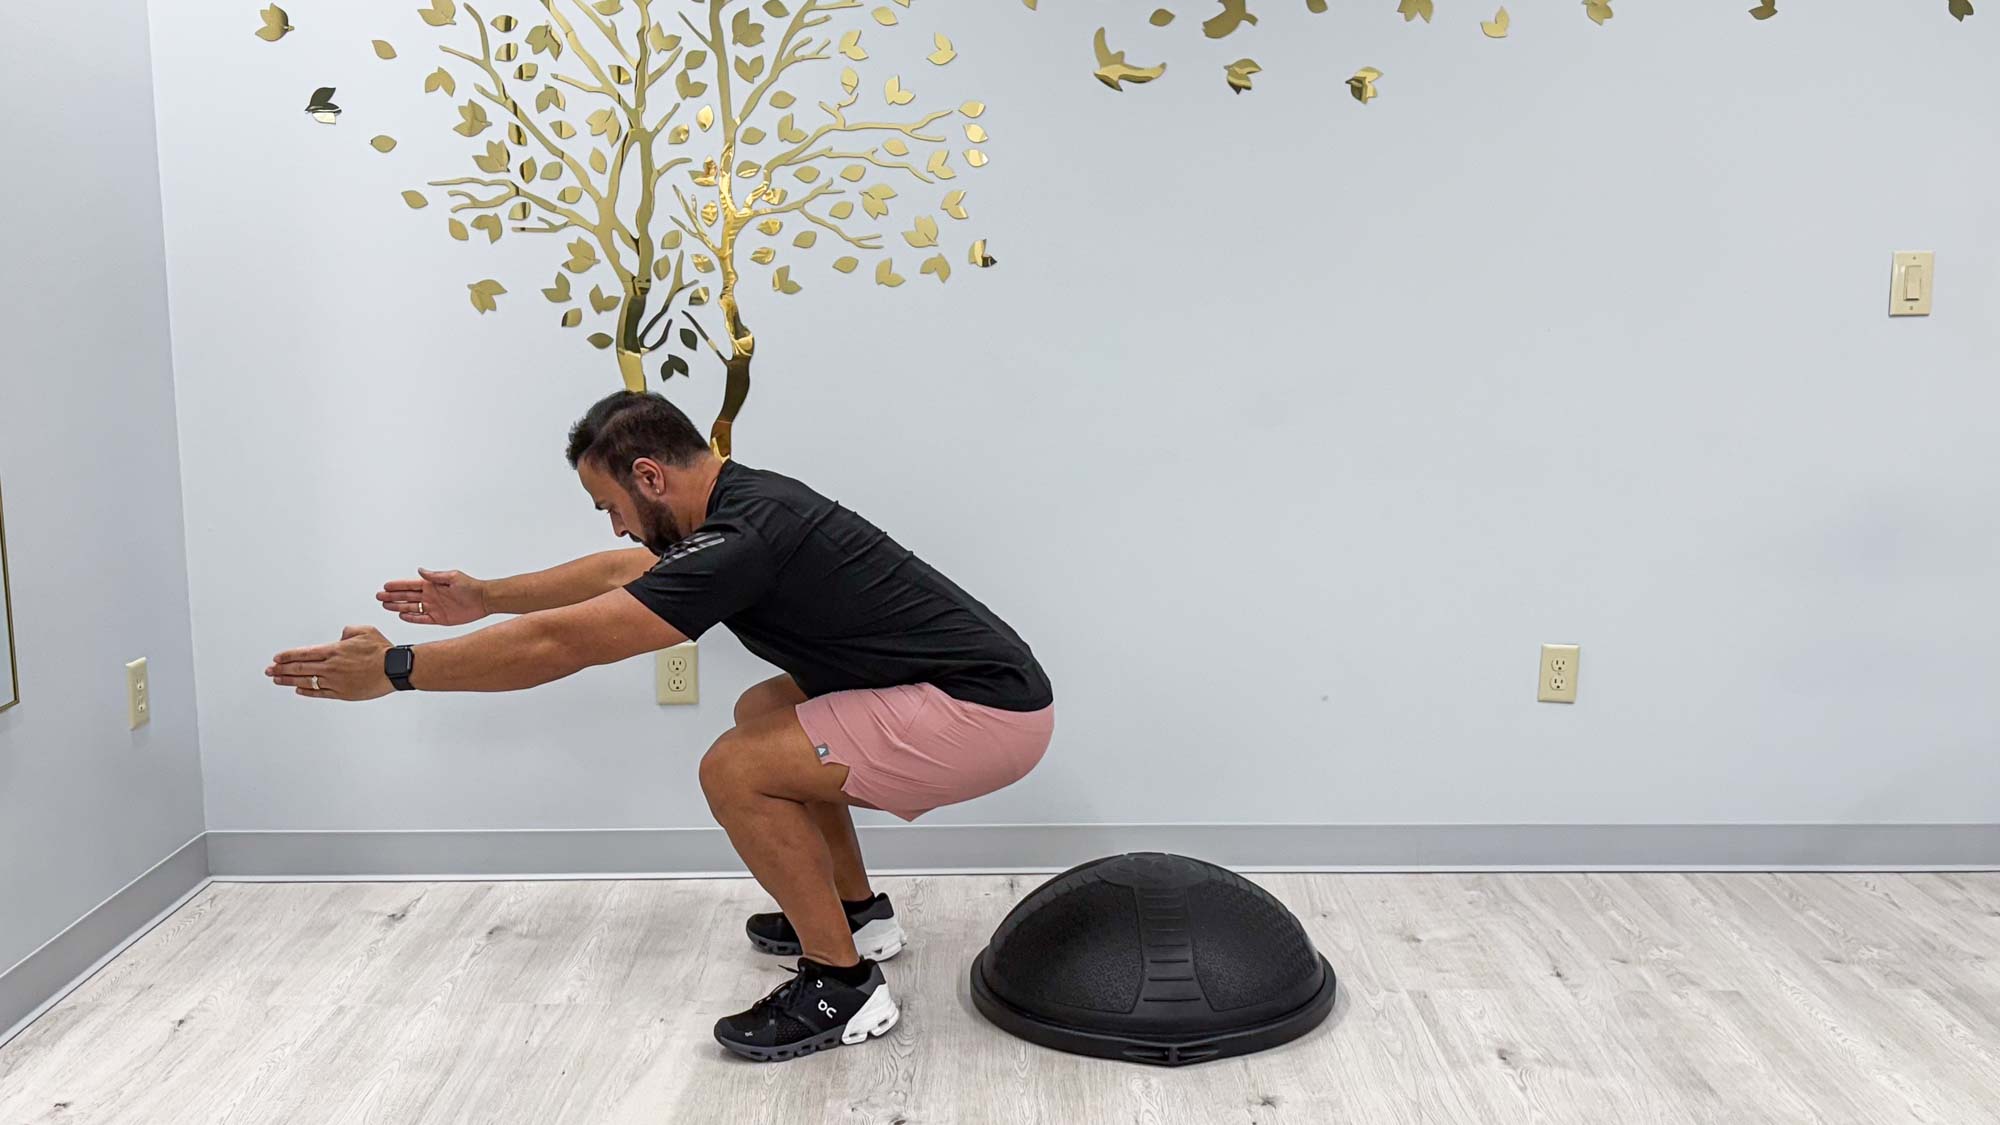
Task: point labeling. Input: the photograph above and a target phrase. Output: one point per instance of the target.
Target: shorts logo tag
(821, 751)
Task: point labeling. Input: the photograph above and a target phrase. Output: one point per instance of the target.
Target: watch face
(400, 661)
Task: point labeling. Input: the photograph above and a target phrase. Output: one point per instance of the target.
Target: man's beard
(658, 529)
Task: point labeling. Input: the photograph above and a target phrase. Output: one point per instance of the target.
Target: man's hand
(435, 597)
(350, 669)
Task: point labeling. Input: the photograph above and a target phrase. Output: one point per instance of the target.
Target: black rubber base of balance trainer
(1147, 1049)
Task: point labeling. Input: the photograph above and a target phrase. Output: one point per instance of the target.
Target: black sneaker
(877, 936)
(811, 1012)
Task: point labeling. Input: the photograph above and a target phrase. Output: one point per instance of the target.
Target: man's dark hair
(629, 425)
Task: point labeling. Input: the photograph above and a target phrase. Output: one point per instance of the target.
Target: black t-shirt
(825, 595)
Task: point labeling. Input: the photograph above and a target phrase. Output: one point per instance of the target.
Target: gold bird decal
(322, 108)
(1765, 10)
(1363, 84)
(1234, 14)
(1112, 69)
(1239, 73)
(276, 24)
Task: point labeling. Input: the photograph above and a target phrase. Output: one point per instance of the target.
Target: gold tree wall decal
(691, 162)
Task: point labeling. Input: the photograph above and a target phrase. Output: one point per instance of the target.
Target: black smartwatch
(397, 664)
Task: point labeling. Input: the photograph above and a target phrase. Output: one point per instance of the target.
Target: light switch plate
(138, 699)
(1558, 674)
(677, 679)
(1910, 283)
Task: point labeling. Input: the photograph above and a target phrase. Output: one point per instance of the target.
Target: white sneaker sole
(880, 940)
(875, 1018)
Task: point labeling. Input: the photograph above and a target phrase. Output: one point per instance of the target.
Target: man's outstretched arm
(526, 652)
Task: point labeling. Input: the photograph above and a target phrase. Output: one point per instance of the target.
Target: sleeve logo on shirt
(694, 544)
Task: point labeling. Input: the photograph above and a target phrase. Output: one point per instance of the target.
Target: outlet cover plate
(677, 678)
(138, 697)
(1558, 684)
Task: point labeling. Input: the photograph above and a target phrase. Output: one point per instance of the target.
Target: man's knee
(723, 778)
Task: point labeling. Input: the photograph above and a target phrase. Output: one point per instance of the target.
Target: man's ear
(650, 477)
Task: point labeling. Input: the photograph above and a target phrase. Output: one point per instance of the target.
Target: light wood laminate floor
(1488, 999)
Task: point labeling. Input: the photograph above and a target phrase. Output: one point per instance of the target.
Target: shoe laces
(783, 997)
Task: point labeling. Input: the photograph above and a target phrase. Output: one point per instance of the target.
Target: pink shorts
(911, 749)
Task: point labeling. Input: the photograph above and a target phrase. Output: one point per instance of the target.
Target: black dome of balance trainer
(1152, 958)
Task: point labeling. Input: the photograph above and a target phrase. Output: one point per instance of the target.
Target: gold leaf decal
(776, 9)
(457, 229)
(440, 13)
(1316, 7)
(1238, 73)
(383, 143)
(710, 212)
(704, 263)
(383, 50)
(1414, 9)
(582, 256)
(841, 210)
(853, 173)
(660, 268)
(980, 257)
(847, 265)
(806, 239)
(699, 297)
(1160, 17)
(609, 7)
(1598, 11)
(558, 294)
(1961, 9)
(505, 24)
(894, 146)
(706, 118)
(621, 75)
(601, 303)
(528, 167)
(807, 174)
(659, 40)
(276, 24)
(321, 106)
(472, 120)
(885, 16)
(670, 240)
(975, 158)
(543, 40)
(940, 165)
(763, 255)
(571, 195)
(894, 93)
(789, 133)
(973, 133)
(939, 265)
(597, 162)
(753, 136)
(1113, 70)
(695, 60)
(600, 340)
(517, 134)
(563, 130)
(885, 273)
(527, 71)
(1234, 14)
(945, 51)
(782, 281)
(483, 294)
(687, 87)
(1765, 10)
(745, 31)
(572, 317)
(440, 79)
(782, 100)
(552, 171)
(550, 96)
(972, 109)
(680, 135)
(1496, 28)
(519, 212)
(416, 200)
(849, 80)
(924, 234)
(875, 201)
(751, 70)
(850, 46)
(491, 225)
(495, 160)
(1362, 85)
(771, 227)
(954, 205)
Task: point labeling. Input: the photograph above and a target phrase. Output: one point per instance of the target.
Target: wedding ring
(315, 683)
(420, 609)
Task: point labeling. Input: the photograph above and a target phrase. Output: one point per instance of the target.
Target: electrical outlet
(138, 701)
(1558, 674)
(677, 679)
